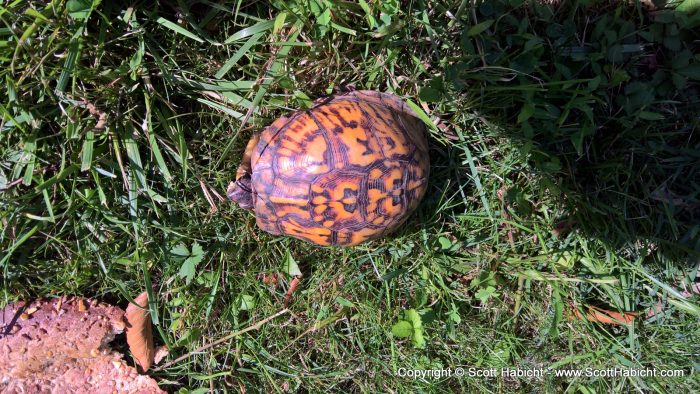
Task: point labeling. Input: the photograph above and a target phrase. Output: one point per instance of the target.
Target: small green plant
(190, 259)
(410, 326)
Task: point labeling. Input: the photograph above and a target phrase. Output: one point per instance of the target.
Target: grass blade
(222, 108)
(29, 151)
(69, 64)
(57, 178)
(249, 31)
(88, 144)
(155, 150)
(238, 55)
(178, 29)
(22, 239)
(474, 172)
(132, 152)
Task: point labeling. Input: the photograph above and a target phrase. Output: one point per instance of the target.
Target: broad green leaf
(679, 81)
(188, 268)
(79, 9)
(526, 112)
(566, 261)
(180, 250)
(389, 29)
(402, 329)
(692, 71)
(344, 302)
(197, 249)
(279, 22)
(673, 43)
(479, 27)
(430, 95)
(453, 314)
(688, 6)
(412, 316)
(303, 99)
(324, 18)
(445, 243)
(290, 265)
(484, 294)
(247, 302)
(647, 115)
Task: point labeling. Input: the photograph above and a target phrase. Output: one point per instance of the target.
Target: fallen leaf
(139, 334)
(604, 316)
(656, 309)
(270, 279)
(694, 289)
(562, 228)
(161, 353)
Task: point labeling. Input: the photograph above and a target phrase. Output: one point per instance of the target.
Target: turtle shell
(348, 170)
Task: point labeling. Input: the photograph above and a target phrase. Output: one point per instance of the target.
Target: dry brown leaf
(656, 309)
(688, 292)
(161, 353)
(270, 279)
(139, 334)
(604, 316)
(694, 289)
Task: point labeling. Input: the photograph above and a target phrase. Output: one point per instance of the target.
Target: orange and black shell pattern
(348, 170)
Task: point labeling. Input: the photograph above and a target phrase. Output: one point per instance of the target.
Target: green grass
(565, 169)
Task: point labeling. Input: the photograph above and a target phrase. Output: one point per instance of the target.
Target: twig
(207, 195)
(224, 339)
(11, 185)
(319, 325)
(292, 287)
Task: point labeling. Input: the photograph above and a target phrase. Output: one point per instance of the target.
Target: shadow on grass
(603, 102)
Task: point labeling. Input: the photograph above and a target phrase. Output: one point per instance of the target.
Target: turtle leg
(241, 191)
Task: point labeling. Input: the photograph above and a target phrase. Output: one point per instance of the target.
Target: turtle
(350, 169)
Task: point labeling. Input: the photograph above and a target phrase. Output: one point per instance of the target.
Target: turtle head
(241, 192)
